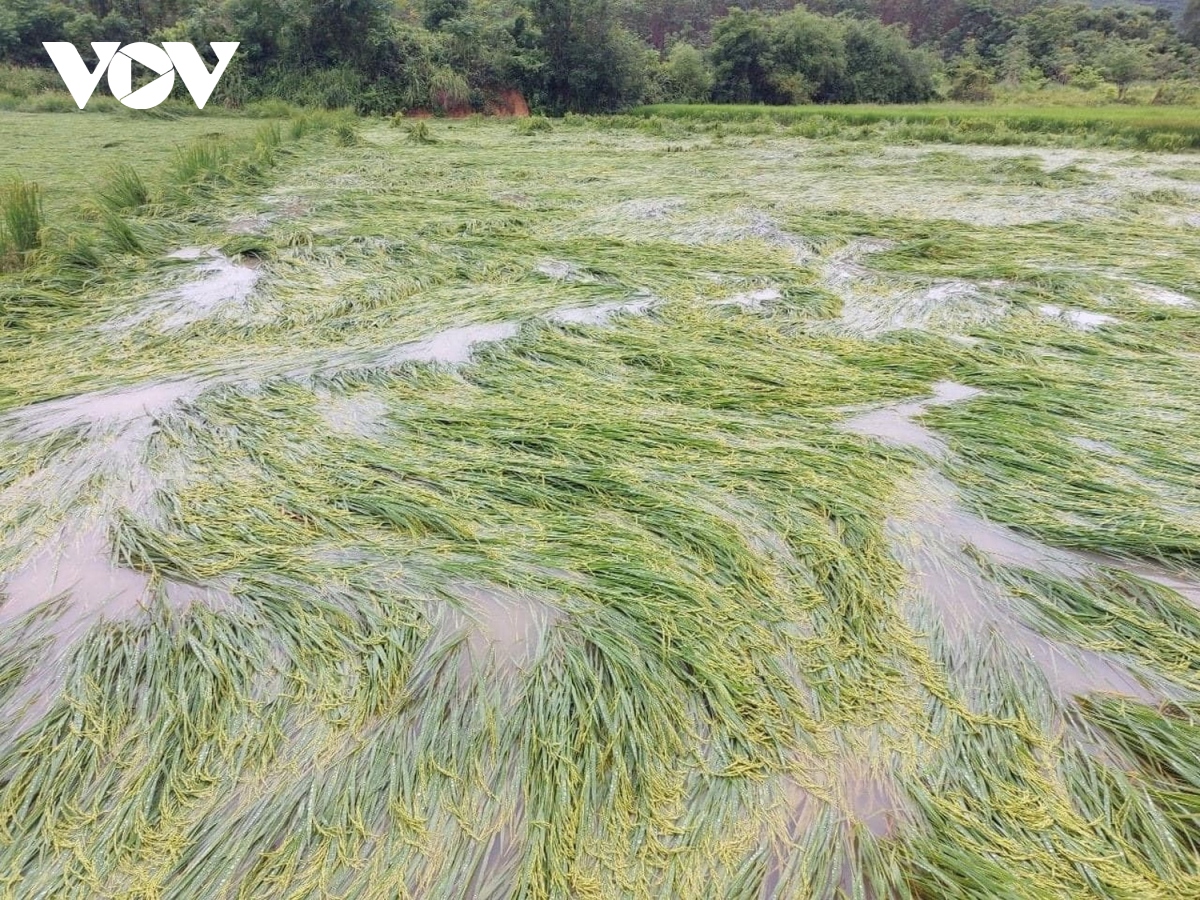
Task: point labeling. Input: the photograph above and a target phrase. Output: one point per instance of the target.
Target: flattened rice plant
(514, 531)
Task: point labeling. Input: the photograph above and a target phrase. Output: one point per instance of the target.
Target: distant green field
(58, 150)
(1149, 127)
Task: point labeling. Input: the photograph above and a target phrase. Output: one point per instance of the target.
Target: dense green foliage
(453, 56)
(800, 56)
(1189, 25)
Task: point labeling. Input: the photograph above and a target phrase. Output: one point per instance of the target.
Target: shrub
(796, 56)
(689, 80)
(448, 90)
(1176, 93)
(972, 85)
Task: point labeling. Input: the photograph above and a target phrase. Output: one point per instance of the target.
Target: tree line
(384, 56)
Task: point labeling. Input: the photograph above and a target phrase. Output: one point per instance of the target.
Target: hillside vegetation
(456, 56)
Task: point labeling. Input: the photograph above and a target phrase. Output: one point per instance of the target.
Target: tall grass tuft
(533, 125)
(201, 160)
(195, 167)
(420, 133)
(312, 121)
(269, 135)
(345, 134)
(124, 189)
(20, 218)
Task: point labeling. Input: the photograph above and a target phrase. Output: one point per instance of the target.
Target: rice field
(600, 509)
(1144, 125)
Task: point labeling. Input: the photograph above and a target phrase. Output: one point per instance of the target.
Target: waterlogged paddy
(601, 513)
